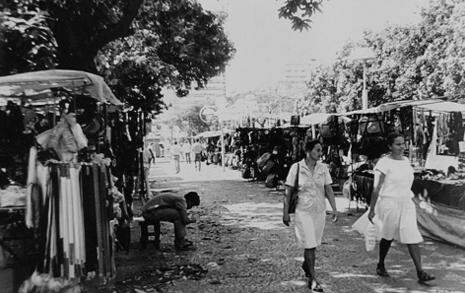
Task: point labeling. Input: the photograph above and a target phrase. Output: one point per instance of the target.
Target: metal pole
(222, 148)
(364, 91)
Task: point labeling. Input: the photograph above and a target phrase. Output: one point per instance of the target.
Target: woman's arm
(329, 193)
(290, 182)
(287, 199)
(377, 184)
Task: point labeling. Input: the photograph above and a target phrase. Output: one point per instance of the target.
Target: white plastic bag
(346, 188)
(370, 237)
(369, 230)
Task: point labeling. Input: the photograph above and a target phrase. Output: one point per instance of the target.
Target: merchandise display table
(447, 192)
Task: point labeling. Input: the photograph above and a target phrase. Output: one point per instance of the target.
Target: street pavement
(242, 246)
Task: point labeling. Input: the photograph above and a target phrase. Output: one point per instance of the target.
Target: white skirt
(396, 219)
(309, 228)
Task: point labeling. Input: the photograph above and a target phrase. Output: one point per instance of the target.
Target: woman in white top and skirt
(392, 202)
(314, 183)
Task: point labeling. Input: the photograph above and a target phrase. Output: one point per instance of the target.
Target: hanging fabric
(74, 221)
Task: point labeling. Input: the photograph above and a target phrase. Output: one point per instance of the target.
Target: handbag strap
(296, 183)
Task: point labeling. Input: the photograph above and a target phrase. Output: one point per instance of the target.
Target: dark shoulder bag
(294, 193)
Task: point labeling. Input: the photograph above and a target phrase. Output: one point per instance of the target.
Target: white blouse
(398, 177)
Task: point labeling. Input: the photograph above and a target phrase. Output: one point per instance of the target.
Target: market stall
(267, 153)
(433, 131)
(67, 192)
(216, 142)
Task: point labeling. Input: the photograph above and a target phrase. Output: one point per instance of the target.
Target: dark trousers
(188, 158)
(154, 217)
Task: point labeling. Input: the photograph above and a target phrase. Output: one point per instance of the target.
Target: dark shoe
(424, 276)
(381, 271)
(186, 247)
(314, 285)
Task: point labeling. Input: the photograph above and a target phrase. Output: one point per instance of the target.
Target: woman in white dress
(314, 183)
(392, 202)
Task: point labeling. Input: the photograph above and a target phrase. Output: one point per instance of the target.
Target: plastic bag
(370, 237)
(346, 188)
(369, 230)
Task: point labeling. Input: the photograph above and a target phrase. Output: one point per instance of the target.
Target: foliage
(139, 46)
(299, 12)
(190, 121)
(28, 43)
(80, 28)
(411, 62)
(174, 45)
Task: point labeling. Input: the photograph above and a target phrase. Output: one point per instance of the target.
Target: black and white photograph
(232, 146)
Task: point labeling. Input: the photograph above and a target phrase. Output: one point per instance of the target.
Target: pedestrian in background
(197, 149)
(176, 155)
(392, 202)
(149, 159)
(187, 149)
(314, 184)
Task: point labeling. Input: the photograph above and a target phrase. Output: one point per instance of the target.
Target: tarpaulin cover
(31, 85)
(441, 222)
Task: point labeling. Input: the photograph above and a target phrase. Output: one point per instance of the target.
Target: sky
(265, 44)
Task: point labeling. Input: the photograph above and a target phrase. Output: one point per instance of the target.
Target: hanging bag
(271, 181)
(294, 193)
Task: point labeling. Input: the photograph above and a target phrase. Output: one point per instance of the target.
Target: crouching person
(169, 208)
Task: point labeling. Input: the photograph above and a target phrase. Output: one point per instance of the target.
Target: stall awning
(321, 118)
(208, 134)
(213, 133)
(361, 112)
(315, 118)
(444, 106)
(33, 85)
(434, 105)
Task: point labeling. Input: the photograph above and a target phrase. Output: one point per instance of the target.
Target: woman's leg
(414, 250)
(309, 262)
(384, 246)
(309, 267)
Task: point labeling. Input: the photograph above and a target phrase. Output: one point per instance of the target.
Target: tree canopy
(191, 122)
(420, 61)
(176, 46)
(139, 46)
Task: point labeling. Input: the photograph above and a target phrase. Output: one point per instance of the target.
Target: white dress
(310, 212)
(395, 208)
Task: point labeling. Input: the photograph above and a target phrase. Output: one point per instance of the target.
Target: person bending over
(169, 208)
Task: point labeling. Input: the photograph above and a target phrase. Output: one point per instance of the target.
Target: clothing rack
(75, 222)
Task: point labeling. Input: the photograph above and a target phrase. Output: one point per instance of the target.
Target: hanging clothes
(75, 222)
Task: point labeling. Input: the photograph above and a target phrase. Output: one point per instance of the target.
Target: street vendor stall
(68, 194)
(433, 131)
(218, 144)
